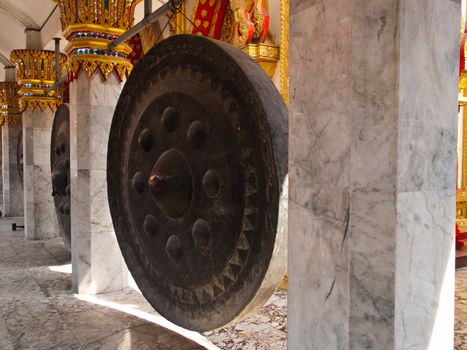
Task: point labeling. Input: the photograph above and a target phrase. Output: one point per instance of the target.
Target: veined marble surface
(98, 265)
(39, 212)
(373, 89)
(13, 195)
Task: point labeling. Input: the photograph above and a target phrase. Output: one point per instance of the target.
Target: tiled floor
(37, 310)
(266, 330)
(460, 342)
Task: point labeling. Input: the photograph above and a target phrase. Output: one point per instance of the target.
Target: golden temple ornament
(9, 103)
(36, 78)
(461, 210)
(90, 26)
(266, 55)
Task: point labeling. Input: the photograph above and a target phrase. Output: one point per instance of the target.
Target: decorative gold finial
(90, 26)
(36, 77)
(9, 104)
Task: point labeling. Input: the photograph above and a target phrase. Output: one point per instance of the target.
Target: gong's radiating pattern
(194, 181)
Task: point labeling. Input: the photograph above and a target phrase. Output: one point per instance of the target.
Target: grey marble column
(1, 176)
(12, 188)
(39, 211)
(373, 88)
(97, 263)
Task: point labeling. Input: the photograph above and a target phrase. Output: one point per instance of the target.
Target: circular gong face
(196, 162)
(60, 164)
(19, 157)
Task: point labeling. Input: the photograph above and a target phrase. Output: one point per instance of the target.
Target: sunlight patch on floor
(61, 268)
(159, 320)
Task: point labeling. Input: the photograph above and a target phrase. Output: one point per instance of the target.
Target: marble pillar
(97, 263)
(1, 176)
(372, 162)
(12, 190)
(39, 211)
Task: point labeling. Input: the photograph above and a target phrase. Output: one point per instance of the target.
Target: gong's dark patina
(60, 162)
(196, 162)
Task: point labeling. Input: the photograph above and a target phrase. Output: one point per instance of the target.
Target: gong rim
(217, 302)
(60, 171)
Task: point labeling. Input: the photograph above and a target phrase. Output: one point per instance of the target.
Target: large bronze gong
(197, 161)
(60, 164)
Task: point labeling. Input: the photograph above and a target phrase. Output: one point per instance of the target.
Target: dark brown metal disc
(197, 161)
(60, 166)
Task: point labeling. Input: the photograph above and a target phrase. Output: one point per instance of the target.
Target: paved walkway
(460, 328)
(38, 311)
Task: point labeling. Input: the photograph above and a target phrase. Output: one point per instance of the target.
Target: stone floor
(460, 340)
(37, 310)
(266, 330)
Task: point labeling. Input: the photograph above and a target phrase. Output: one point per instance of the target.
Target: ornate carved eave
(90, 27)
(36, 78)
(9, 103)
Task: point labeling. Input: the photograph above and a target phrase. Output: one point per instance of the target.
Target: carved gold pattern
(9, 103)
(228, 26)
(237, 27)
(461, 210)
(243, 26)
(106, 65)
(464, 148)
(90, 26)
(36, 77)
(284, 52)
(463, 80)
(178, 22)
(461, 195)
(265, 54)
(105, 16)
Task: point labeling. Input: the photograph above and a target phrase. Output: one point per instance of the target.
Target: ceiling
(18, 15)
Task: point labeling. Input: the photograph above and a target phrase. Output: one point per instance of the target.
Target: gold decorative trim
(35, 66)
(178, 22)
(461, 196)
(32, 102)
(102, 44)
(265, 54)
(87, 27)
(36, 77)
(463, 80)
(106, 16)
(90, 26)
(462, 225)
(9, 99)
(461, 209)
(464, 148)
(10, 119)
(93, 63)
(284, 51)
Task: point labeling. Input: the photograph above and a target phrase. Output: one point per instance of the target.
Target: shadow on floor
(38, 310)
